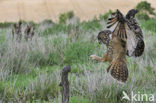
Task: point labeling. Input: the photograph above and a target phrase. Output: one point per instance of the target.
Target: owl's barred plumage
(139, 49)
(139, 35)
(126, 38)
(119, 70)
(104, 37)
(136, 47)
(118, 67)
(116, 55)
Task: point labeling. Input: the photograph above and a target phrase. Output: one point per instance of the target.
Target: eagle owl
(124, 37)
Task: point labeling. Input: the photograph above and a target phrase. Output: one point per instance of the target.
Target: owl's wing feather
(118, 70)
(116, 24)
(118, 67)
(132, 41)
(130, 16)
(121, 27)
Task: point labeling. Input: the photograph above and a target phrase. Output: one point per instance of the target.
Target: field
(30, 70)
(39, 10)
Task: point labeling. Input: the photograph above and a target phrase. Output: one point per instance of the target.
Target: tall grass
(29, 71)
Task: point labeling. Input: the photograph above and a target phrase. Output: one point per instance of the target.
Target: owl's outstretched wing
(117, 24)
(130, 16)
(122, 28)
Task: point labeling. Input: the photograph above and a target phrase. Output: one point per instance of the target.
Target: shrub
(6, 24)
(70, 14)
(20, 57)
(145, 10)
(14, 57)
(47, 22)
(90, 25)
(45, 87)
(77, 52)
(149, 25)
(142, 16)
(63, 17)
(48, 52)
(55, 29)
(74, 32)
(144, 6)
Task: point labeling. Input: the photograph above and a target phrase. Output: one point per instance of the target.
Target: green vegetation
(63, 17)
(90, 25)
(149, 25)
(5, 24)
(145, 10)
(144, 6)
(106, 15)
(30, 71)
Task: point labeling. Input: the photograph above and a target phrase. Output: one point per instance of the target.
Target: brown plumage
(130, 16)
(135, 45)
(103, 37)
(115, 55)
(125, 38)
(118, 67)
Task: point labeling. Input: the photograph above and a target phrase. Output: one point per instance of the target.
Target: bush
(20, 57)
(85, 26)
(47, 22)
(90, 25)
(48, 52)
(142, 16)
(63, 17)
(77, 52)
(145, 10)
(149, 25)
(55, 29)
(144, 6)
(14, 57)
(45, 87)
(6, 24)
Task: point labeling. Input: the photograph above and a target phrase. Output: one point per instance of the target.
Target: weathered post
(65, 84)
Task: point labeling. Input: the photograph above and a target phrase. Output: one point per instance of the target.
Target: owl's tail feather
(118, 70)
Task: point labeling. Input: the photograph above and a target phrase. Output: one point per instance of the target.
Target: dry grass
(30, 70)
(39, 10)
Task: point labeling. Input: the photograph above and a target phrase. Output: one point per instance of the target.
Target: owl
(123, 37)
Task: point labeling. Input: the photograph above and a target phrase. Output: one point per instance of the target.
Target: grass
(150, 25)
(30, 71)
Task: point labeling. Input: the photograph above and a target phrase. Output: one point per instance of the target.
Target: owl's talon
(93, 57)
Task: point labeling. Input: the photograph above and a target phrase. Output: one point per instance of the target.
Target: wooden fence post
(65, 84)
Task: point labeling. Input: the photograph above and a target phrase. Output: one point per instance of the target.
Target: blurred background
(39, 10)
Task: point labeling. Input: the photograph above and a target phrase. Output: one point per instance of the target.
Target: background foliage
(30, 71)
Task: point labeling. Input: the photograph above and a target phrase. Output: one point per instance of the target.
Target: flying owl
(124, 37)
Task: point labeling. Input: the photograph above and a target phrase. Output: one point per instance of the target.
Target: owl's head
(131, 13)
(103, 36)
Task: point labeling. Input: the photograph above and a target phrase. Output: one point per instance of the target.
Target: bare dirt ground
(39, 10)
